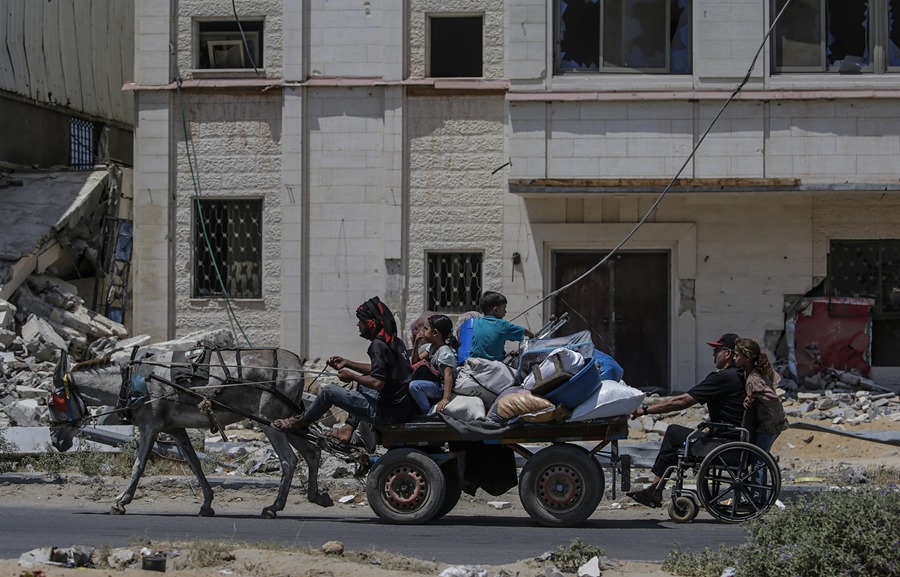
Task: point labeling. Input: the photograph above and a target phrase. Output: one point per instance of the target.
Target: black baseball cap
(727, 341)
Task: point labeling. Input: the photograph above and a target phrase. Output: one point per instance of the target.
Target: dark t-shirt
(723, 393)
(390, 365)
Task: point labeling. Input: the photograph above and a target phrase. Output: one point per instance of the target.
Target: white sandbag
(484, 379)
(566, 360)
(463, 408)
(613, 399)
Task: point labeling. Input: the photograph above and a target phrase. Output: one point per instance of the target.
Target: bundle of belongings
(559, 379)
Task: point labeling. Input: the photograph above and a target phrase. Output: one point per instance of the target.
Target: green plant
(208, 553)
(49, 461)
(829, 534)
(577, 553)
(8, 451)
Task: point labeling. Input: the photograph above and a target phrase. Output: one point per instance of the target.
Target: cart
(423, 474)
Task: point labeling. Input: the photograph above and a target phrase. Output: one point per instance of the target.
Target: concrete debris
(75, 556)
(333, 548)
(464, 571)
(591, 568)
(499, 504)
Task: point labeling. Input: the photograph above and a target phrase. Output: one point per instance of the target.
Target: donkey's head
(67, 408)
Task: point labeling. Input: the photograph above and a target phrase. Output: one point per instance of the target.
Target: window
(228, 243)
(453, 281)
(456, 46)
(845, 36)
(652, 36)
(871, 268)
(84, 136)
(221, 45)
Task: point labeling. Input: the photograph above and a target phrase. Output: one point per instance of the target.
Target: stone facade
(366, 164)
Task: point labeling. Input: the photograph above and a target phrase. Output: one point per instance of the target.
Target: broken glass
(645, 35)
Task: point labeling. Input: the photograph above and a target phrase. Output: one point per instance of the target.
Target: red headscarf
(379, 320)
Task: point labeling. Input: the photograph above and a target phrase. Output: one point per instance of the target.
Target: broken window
(624, 35)
(871, 269)
(221, 45)
(453, 281)
(456, 46)
(84, 137)
(228, 248)
(834, 35)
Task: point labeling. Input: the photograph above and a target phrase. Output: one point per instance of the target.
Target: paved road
(635, 534)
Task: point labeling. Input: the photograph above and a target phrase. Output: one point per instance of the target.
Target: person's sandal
(295, 423)
(649, 497)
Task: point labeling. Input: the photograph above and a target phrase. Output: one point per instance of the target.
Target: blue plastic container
(465, 341)
(581, 386)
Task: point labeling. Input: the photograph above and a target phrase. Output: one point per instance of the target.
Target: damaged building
(65, 186)
(294, 160)
(427, 152)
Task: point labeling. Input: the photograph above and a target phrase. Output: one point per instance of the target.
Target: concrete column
(295, 233)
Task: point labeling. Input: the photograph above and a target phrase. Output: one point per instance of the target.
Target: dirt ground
(805, 457)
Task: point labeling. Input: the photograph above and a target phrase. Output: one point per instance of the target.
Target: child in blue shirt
(490, 332)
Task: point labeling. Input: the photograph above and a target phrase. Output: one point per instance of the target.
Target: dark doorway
(625, 304)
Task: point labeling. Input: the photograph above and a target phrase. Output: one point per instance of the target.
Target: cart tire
(683, 509)
(405, 487)
(453, 491)
(729, 486)
(561, 485)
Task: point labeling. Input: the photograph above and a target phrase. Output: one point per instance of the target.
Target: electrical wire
(665, 191)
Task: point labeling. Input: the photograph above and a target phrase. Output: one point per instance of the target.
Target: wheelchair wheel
(737, 482)
(683, 509)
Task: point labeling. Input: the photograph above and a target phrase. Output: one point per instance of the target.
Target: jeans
(361, 405)
(764, 441)
(425, 393)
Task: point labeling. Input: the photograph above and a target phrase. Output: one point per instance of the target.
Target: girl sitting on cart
(434, 370)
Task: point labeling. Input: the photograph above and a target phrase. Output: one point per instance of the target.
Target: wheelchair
(735, 480)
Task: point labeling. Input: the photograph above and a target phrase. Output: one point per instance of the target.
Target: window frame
(200, 250)
(429, 41)
(254, 31)
(877, 39)
(604, 66)
(461, 306)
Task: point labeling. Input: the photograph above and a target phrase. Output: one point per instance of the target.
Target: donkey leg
(288, 461)
(183, 442)
(312, 454)
(148, 437)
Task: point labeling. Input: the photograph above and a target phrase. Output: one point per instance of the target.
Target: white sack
(570, 361)
(484, 379)
(613, 399)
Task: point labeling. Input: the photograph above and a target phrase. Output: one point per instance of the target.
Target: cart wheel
(737, 482)
(453, 485)
(683, 509)
(405, 486)
(561, 485)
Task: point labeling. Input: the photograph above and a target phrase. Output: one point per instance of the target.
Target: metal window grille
(454, 281)
(82, 144)
(228, 237)
(867, 268)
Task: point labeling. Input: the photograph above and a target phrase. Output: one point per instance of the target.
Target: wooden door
(625, 304)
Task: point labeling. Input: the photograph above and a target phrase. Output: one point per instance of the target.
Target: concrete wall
(236, 153)
(41, 135)
(190, 11)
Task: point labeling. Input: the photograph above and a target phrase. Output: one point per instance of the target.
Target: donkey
(268, 386)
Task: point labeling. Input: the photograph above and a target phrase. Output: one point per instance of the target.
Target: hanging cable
(665, 191)
(244, 36)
